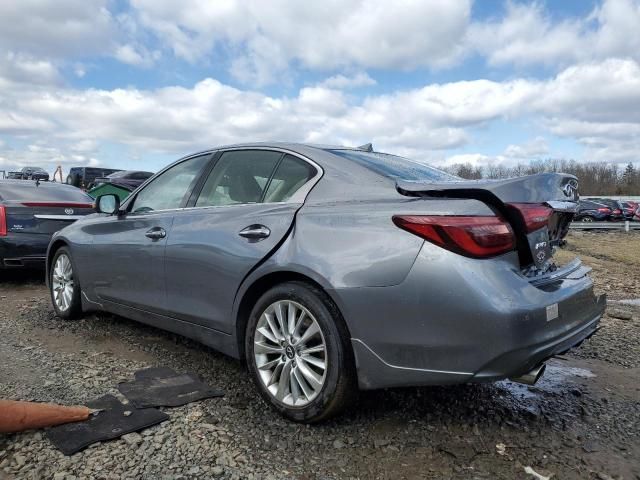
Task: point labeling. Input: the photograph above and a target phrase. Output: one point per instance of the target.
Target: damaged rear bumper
(459, 320)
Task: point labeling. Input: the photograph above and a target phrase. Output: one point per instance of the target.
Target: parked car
(589, 211)
(130, 179)
(330, 268)
(30, 213)
(85, 177)
(614, 205)
(30, 173)
(629, 209)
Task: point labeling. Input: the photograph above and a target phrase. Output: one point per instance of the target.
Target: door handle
(155, 233)
(255, 232)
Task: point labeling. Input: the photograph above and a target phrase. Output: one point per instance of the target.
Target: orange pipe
(18, 416)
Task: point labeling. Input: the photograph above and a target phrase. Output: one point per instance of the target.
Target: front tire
(298, 353)
(64, 285)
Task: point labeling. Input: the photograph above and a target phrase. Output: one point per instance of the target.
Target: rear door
(128, 262)
(244, 209)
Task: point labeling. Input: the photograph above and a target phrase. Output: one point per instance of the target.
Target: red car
(629, 208)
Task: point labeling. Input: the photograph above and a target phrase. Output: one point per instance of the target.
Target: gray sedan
(330, 269)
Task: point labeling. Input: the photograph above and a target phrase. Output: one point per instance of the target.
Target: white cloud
(20, 68)
(45, 156)
(135, 55)
(473, 159)
(265, 37)
(55, 29)
(64, 30)
(527, 35)
(361, 79)
(533, 148)
(595, 103)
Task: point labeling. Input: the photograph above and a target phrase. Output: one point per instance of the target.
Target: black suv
(85, 177)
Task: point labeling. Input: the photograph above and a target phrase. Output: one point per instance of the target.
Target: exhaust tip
(531, 377)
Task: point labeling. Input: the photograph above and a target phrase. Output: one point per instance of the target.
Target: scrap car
(330, 269)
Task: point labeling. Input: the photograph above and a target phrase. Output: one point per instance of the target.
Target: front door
(245, 208)
(129, 262)
(128, 259)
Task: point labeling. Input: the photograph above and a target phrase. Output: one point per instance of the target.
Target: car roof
(301, 148)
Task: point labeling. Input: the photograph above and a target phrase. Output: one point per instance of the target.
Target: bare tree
(595, 178)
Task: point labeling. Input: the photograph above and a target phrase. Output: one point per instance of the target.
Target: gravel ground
(581, 421)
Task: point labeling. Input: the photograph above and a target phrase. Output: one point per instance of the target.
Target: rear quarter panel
(355, 243)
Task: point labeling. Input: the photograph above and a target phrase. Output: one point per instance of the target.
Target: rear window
(397, 168)
(25, 191)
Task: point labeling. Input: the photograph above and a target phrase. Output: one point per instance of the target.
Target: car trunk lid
(539, 208)
(43, 217)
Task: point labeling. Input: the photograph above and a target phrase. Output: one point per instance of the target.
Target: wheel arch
(262, 284)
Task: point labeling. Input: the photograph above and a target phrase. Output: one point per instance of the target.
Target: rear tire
(587, 219)
(73, 179)
(301, 362)
(64, 285)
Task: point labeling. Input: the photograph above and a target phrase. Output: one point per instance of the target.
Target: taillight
(535, 215)
(3, 221)
(604, 210)
(617, 211)
(477, 237)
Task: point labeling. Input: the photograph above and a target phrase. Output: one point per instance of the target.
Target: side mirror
(108, 203)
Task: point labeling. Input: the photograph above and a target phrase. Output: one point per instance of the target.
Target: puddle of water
(555, 379)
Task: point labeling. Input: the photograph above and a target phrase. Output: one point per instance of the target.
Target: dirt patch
(581, 421)
(56, 341)
(614, 258)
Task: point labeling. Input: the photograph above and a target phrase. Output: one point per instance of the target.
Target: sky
(136, 84)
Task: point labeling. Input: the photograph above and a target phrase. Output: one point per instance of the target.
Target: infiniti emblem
(289, 351)
(570, 188)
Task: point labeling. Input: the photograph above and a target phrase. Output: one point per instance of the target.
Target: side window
(292, 173)
(169, 189)
(238, 177)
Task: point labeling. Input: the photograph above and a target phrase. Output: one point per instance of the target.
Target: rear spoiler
(539, 188)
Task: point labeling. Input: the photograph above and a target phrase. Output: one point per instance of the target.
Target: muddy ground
(581, 421)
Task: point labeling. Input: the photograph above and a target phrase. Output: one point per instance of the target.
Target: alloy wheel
(62, 282)
(290, 353)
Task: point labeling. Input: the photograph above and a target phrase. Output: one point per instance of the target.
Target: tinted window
(141, 175)
(291, 174)
(395, 167)
(26, 191)
(238, 177)
(169, 189)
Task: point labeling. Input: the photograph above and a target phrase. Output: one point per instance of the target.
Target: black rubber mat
(111, 423)
(163, 387)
